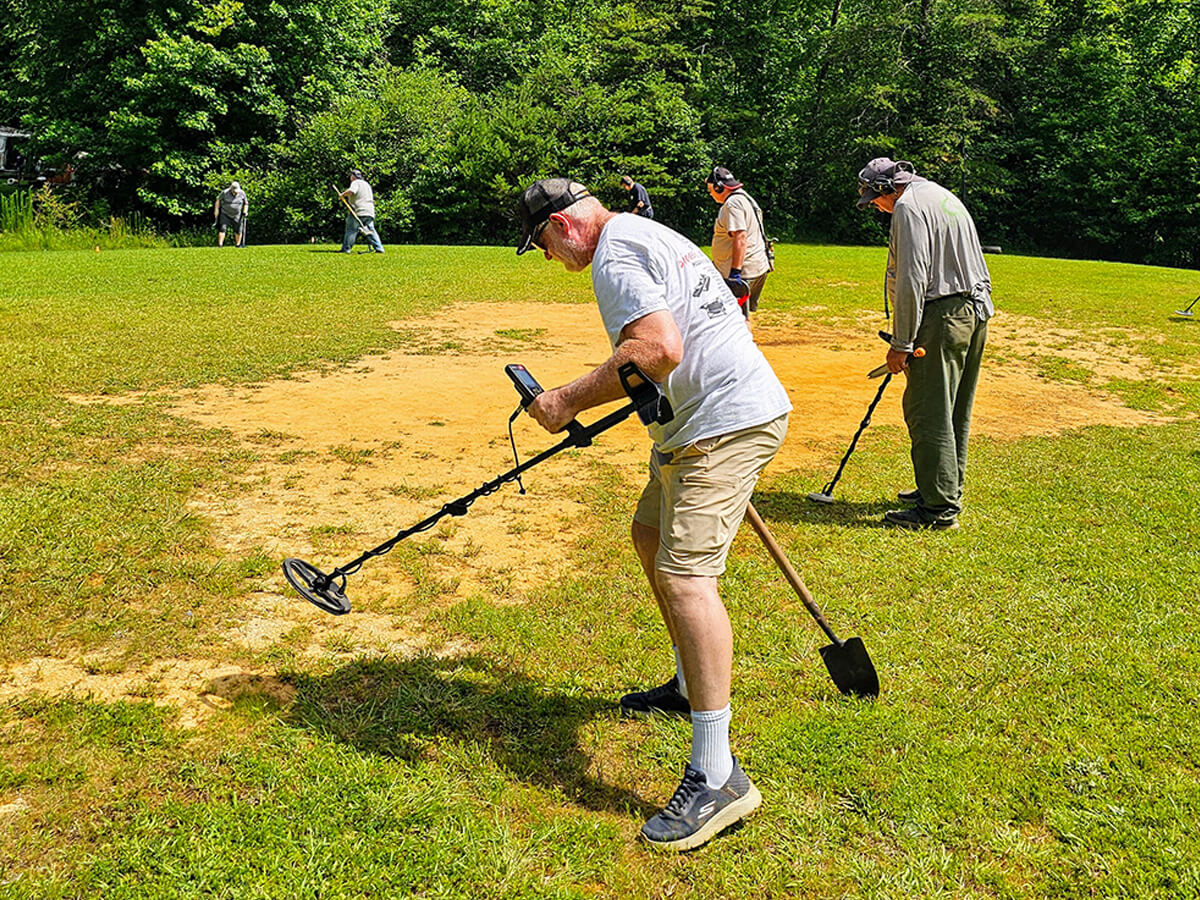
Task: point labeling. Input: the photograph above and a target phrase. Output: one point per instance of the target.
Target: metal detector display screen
(525, 383)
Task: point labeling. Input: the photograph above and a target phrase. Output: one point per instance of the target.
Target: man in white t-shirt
(667, 309)
(360, 218)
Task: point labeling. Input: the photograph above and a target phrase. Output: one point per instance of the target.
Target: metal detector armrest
(652, 404)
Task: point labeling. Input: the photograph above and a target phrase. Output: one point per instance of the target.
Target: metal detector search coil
(328, 590)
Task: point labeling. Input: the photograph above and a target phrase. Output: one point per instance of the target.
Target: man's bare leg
(670, 698)
(701, 630)
(645, 541)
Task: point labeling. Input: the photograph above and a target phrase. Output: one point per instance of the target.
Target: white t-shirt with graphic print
(723, 383)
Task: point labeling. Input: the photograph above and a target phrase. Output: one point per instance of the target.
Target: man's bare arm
(738, 253)
(652, 342)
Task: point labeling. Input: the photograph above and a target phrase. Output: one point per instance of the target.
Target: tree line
(1069, 126)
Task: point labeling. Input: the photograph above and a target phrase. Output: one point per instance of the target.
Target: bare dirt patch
(194, 687)
(358, 453)
(345, 458)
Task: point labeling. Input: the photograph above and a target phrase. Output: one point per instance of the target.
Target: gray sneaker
(917, 520)
(913, 496)
(696, 812)
(662, 700)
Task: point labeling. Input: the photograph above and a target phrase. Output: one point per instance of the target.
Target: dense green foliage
(1071, 126)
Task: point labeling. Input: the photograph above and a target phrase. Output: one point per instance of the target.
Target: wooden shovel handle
(785, 566)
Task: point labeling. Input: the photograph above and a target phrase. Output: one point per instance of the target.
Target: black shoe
(916, 520)
(662, 700)
(913, 496)
(696, 812)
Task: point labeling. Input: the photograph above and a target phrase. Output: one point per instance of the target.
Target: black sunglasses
(535, 238)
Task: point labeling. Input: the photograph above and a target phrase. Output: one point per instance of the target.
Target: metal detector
(1186, 312)
(848, 662)
(825, 494)
(328, 591)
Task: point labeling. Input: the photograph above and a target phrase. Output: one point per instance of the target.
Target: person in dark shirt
(639, 200)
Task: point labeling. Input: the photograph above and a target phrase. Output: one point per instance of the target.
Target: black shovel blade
(316, 587)
(850, 668)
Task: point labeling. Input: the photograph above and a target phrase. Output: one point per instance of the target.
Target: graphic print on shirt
(714, 308)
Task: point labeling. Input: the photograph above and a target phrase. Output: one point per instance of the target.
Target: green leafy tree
(160, 95)
(397, 134)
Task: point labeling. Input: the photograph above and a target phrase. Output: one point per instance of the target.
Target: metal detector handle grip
(785, 566)
(652, 404)
(882, 370)
(527, 386)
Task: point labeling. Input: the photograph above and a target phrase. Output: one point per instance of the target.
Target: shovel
(848, 663)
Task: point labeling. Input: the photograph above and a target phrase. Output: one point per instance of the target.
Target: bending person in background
(362, 201)
(639, 198)
(941, 296)
(230, 211)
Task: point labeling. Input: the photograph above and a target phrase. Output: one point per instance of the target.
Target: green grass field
(1038, 734)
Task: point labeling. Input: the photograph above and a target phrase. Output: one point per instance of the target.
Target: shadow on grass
(786, 506)
(406, 709)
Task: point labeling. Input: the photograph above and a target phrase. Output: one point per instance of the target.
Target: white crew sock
(710, 745)
(679, 674)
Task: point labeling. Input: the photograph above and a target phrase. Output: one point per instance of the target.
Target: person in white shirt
(667, 309)
(230, 211)
(362, 212)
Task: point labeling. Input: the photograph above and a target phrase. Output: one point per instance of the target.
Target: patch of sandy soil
(194, 687)
(1104, 352)
(348, 457)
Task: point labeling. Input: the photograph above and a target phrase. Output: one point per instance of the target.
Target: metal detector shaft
(828, 489)
(581, 436)
(785, 566)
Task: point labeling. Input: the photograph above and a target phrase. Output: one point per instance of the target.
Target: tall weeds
(16, 211)
(46, 220)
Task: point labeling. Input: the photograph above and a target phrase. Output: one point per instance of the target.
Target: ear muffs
(886, 184)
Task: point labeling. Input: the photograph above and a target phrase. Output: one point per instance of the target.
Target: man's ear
(562, 220)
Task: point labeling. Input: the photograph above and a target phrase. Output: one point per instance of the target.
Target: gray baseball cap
(541, 200)
(880, 176)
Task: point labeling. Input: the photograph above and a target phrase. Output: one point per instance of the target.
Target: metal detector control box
(525, 383)
(528, 388)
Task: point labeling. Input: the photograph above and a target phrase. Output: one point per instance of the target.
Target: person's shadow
(403, 708)
(786, 506)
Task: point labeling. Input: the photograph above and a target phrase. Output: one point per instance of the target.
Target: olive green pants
(938, 399)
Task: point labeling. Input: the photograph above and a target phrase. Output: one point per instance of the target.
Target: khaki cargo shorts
(696, 497)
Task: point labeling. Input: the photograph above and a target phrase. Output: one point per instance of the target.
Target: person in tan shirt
(739, 245)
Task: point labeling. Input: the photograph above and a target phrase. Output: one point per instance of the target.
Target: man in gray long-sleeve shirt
(941, 293)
